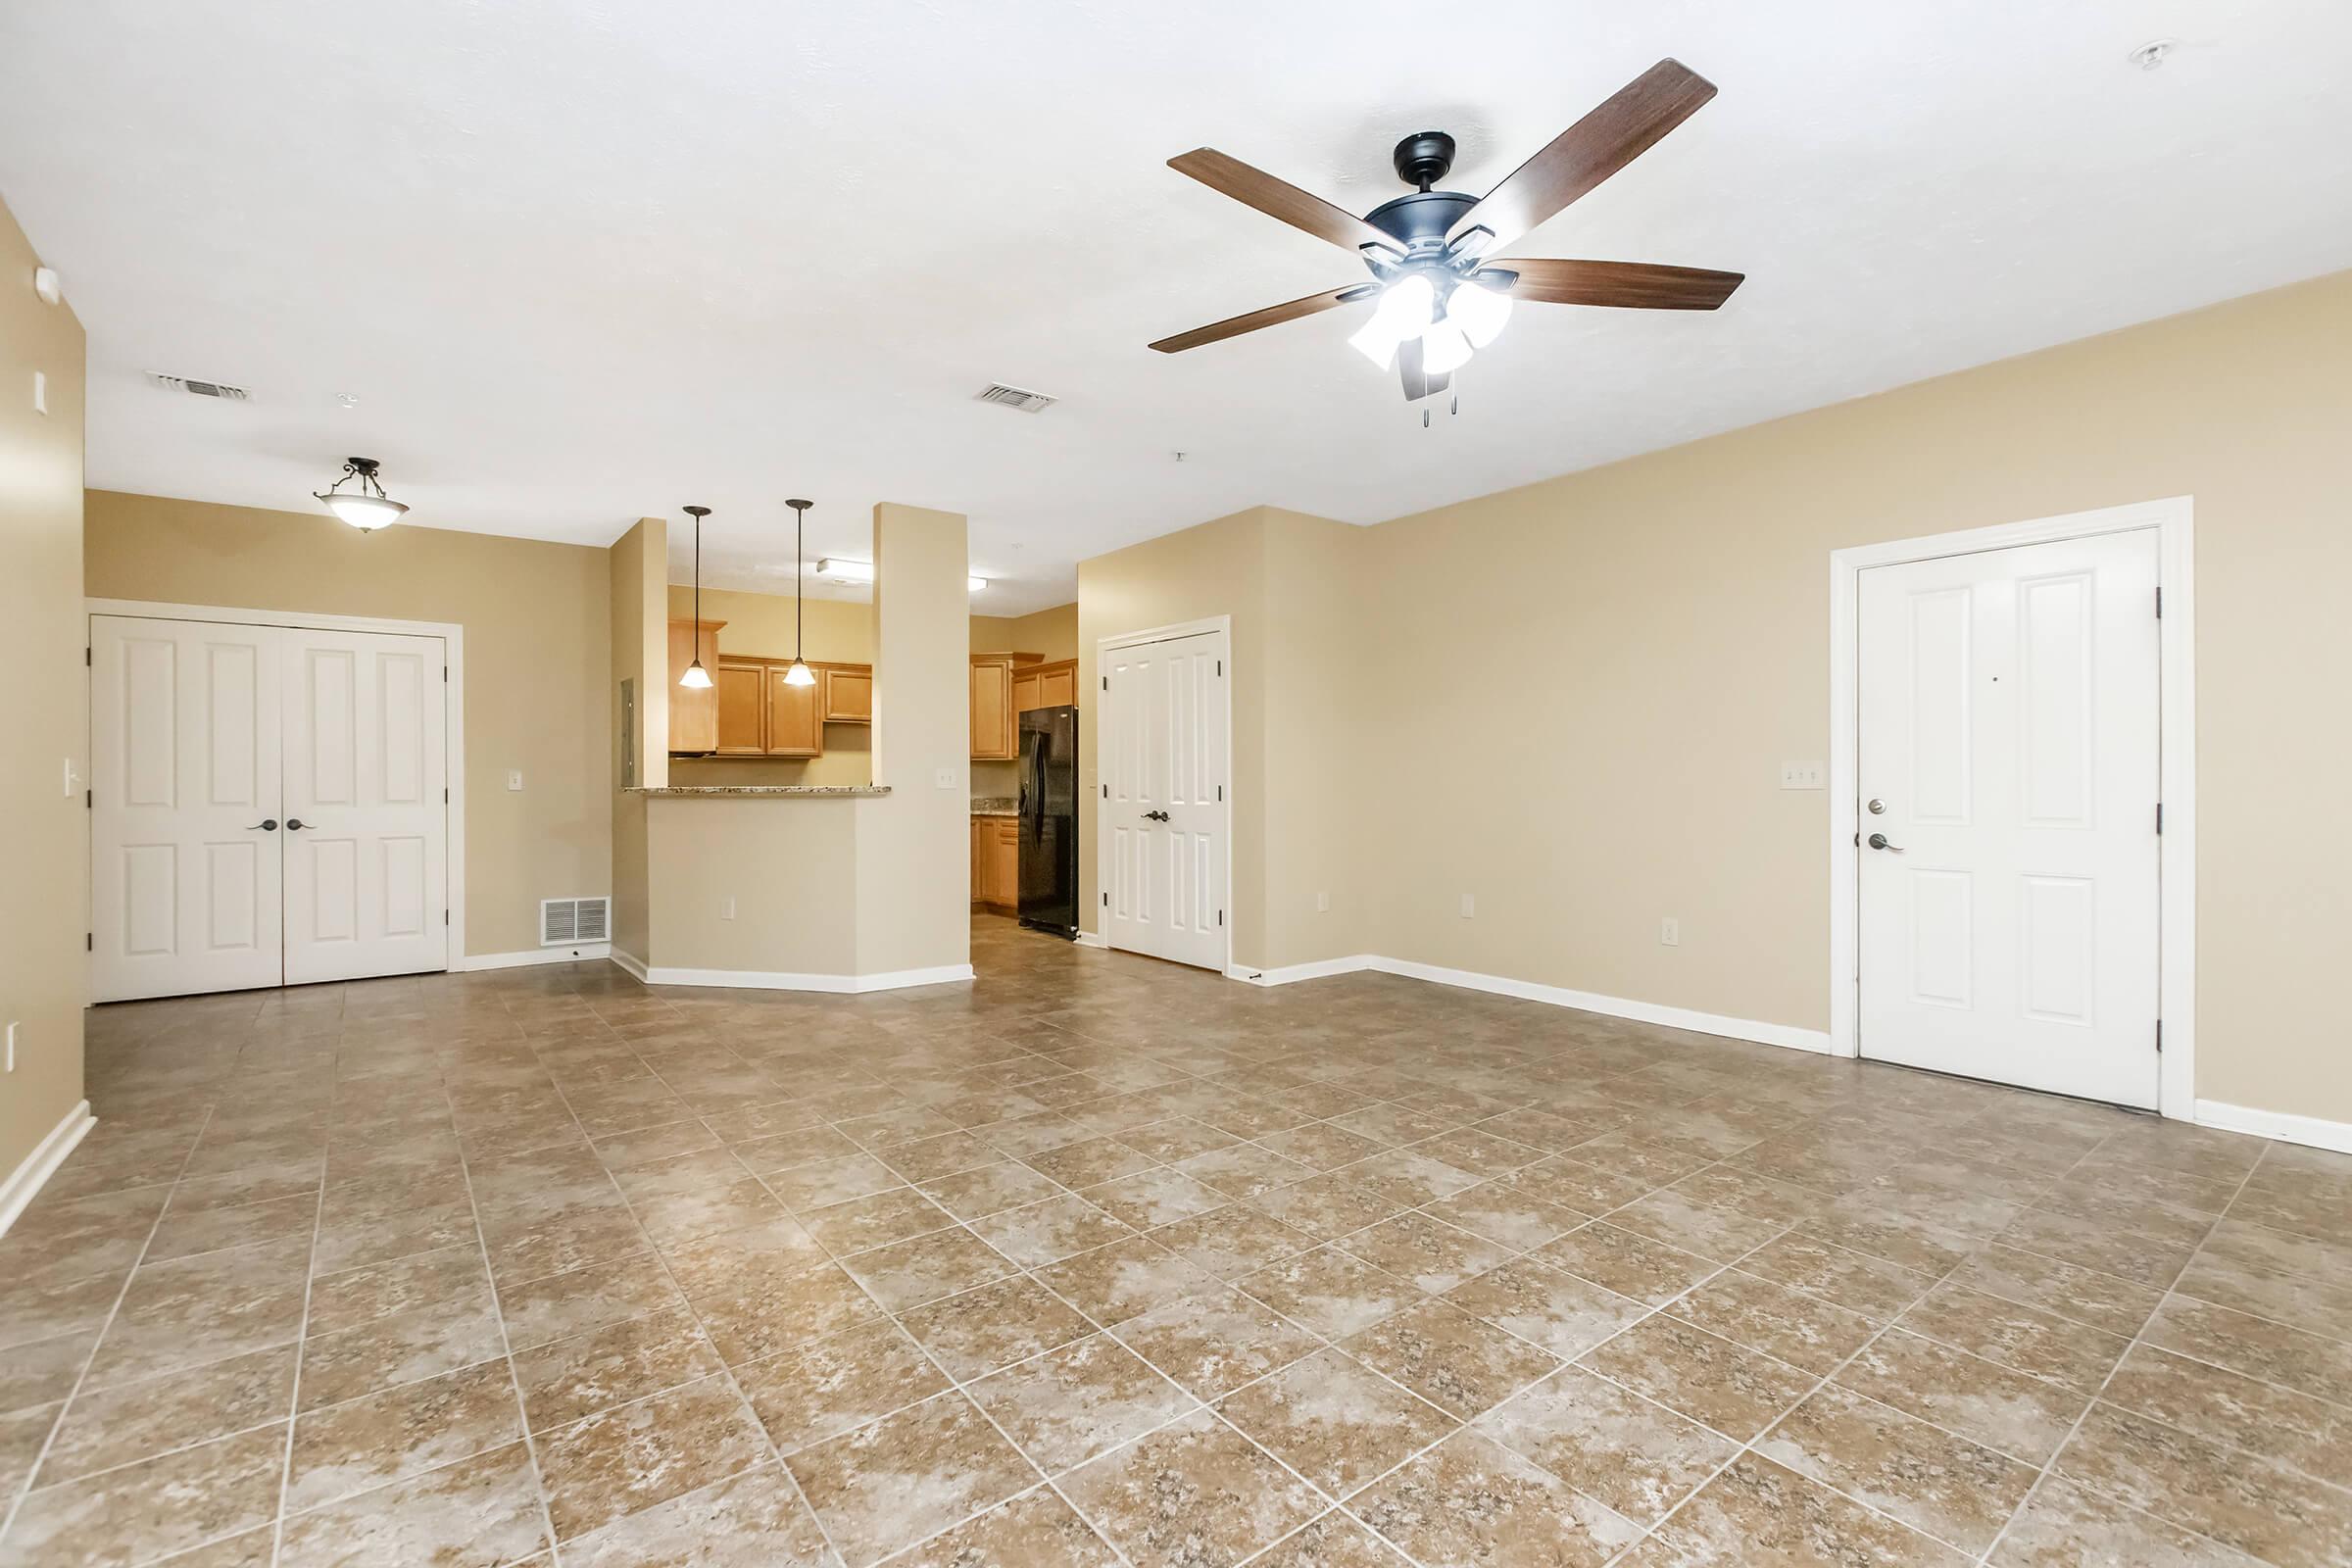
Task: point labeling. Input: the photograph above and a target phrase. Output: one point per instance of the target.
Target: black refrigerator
(1049, 820)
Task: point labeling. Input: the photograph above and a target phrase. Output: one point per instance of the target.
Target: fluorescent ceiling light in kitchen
(863, 572)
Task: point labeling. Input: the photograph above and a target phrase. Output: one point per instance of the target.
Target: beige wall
(789, 865)
(44, 844)
(537, 626)
(640, 654)
(1052, 633)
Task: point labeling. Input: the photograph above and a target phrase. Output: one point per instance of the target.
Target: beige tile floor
(1102, 1261)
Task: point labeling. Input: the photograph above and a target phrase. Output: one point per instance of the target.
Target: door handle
(268, 824)
(1878, 840)
(295, 824)
(1156, 816)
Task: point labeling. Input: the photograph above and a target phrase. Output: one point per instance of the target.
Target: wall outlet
(513, 779)
(726, 908)
(1670, 932)
(944, 778)
(1322, 904)
(1804, 775)
(1469, 905)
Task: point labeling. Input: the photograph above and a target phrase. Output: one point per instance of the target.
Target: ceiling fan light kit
(364, 507)
(1437, 300)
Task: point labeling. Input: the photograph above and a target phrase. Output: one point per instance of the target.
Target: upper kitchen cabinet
(741, 685)
(996, 733)
(693, 714)
(847, 693)
(795, 722)
(1053, 685)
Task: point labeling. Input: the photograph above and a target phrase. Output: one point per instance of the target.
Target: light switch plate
(40, 392)
(12, 1049)
(944, 778)
(1804, 775)
(1469, 905)
(1670, 932)
(513, 779)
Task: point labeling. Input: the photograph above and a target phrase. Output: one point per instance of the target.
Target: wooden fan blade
(1627, 285)
(1255, 187)
(1588, 152)
(1271, 316)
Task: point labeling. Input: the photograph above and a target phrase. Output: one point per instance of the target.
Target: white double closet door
(1164, 814)
(2009, 765)
(268, 805)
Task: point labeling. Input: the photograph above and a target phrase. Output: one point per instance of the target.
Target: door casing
(1101, 726)
(2173, 520)
(452, 714)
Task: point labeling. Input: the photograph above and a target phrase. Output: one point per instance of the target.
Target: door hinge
(1106, 900)
(2160, 817)
(1106, 683)
(444, 795)
(1220, 669)
(89, 943)
(445, 917)
(444, 674)
(1220, 792)
(2159, 603)
(1107, 792)
(1220, 917)
(85, 658)
(89, 799)
(2160, 1037)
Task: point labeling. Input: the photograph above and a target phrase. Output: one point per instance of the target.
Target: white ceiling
(582, 262)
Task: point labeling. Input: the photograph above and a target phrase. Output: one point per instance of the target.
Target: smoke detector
(1021, 398)
(2155, 52)
(202, 389)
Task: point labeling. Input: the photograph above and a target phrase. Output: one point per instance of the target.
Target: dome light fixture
(697, 678)
(798, 674)
(364, 507)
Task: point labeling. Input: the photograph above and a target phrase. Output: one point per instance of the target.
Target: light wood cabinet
(995, 730)
(794, 728)
(742, 688)
(1053, 685)
(693, 714)
(848, 693)
(997, 861)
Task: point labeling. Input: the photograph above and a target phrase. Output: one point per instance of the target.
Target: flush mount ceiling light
(697, 678)
(841, 571)
(798, 674)
(1439, 302)
(364, 507)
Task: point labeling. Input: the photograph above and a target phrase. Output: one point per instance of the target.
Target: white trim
(33, 1171)
(629, 963)
(1092, 939)
(2173, 520)
(1788, 1036)
(2285, 1126)
(1222, 625)
(780, 980)
(1291, 974)
(453, 713)
(582, 954)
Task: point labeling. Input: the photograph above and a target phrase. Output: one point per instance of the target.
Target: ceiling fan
(1430, 251)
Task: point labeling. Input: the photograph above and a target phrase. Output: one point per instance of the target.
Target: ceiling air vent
(1021, 398)
(569, 922)
(202, 389)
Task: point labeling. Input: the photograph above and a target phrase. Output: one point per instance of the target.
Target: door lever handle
(294, 824)
(268, 824)
(1878, 840)
(1156, 816)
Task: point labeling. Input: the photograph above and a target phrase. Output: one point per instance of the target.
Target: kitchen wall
(832, 630)
(537, 619)
(1586, 710)
(44, 847)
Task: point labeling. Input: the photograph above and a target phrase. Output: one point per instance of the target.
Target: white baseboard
(1291, 973)
(1092, 939)
(583, 952)
(2284, 1125)
(33, 1171)
(781, 980)
(1704, 1023)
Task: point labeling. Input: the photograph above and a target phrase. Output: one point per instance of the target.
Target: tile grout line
(302, 1325)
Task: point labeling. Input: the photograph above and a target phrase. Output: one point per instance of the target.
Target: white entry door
(2009, 772)
(365, 770)
(1163, 807)
(268, 805)
(185, 821)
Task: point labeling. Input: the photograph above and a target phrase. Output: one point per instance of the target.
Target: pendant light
(697, 678)
(798, 674)
(365, 507)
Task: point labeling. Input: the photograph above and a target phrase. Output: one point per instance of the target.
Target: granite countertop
(995, 805)
(817, 791)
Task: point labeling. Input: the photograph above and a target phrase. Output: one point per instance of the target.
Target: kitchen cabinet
(997, 863)
(741, 685)
(848, 693)
(794, 728)
(1053, 685)
(693, 714)
(995, 730)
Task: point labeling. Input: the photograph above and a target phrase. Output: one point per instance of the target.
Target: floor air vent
(202, 389)
(565, 922)
(1021, 398)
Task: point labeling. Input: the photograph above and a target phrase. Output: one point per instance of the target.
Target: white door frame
(2173, 520)
(453, 641)
(1129, 639)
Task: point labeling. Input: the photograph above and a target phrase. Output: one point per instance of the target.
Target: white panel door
(185, 811)
(2009, 771)
(365, 819)
(1163, 810)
